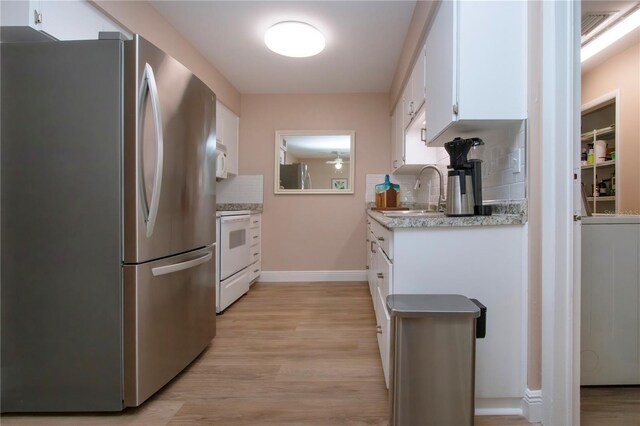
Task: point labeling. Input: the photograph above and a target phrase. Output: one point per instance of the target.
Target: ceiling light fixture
(294, 39)
(338, 166)
(607, 38)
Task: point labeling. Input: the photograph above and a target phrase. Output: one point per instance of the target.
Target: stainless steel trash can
(432, 359)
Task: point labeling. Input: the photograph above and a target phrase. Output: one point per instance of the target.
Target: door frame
(560, 175)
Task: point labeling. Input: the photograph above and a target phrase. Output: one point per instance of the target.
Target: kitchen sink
(411, 213)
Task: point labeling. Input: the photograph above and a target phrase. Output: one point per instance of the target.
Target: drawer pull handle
(256, 271)
(379, 329)
(380, 238)
(255, 237)
(380, 275)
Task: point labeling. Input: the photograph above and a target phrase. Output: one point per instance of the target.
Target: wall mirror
(314, 162)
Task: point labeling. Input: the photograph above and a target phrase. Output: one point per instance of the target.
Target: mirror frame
(352, 155)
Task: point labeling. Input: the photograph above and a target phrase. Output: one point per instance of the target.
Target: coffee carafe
(464, 179)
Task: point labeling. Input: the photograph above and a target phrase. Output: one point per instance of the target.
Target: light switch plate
(516, 161)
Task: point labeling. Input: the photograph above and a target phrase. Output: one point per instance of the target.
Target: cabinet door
(383, 325)
(394, 158)
(371, 273)
(407, 106)
(20, 14)
(417, 81)
(219, 122)
(397, 138)
(74, 20)
(610, 346)
(440, 70)
(231, 130)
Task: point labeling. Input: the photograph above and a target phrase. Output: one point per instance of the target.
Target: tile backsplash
(499, 182)
(240, 189)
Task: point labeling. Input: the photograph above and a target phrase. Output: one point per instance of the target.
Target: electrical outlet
(516, 161)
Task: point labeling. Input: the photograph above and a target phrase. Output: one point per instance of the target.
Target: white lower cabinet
(610, 301)
(383, 325)
(255, 229)
(380, 282)
(482, 262)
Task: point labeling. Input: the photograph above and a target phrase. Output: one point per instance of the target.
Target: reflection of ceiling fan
(338, 161)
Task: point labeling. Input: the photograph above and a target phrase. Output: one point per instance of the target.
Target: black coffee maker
(464, 180)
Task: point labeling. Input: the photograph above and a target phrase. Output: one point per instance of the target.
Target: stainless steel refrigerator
(108, 233)
(295, 176)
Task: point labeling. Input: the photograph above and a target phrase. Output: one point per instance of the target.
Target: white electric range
(233, 257)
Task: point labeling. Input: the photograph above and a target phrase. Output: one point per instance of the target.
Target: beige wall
(314, 232)
(413, 43)
(141, 18)
(622, 72)
(322, 173)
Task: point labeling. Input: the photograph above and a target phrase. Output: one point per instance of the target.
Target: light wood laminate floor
(284, 354)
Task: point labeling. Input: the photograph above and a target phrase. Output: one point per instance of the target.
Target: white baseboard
(311, 276)
(498, 407)
(532, 405)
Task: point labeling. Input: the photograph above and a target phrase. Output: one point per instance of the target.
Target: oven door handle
(235, 219)
(163, 270)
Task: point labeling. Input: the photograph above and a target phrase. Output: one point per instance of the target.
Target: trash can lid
(431, 304)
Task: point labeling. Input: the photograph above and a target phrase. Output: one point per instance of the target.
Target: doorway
(609, 152)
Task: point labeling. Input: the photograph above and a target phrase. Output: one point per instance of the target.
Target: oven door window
(237, 238)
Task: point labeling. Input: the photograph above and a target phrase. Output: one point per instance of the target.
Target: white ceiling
(363, 42)
(319, 146)
(620, 45)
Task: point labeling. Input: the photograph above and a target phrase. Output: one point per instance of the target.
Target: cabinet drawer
(254, 235)
(254, 271)
(384, 237)
(384, 273)
(255, 254)
(256, 220)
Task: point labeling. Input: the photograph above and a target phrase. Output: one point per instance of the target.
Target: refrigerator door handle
(149, 84)
(164, 270)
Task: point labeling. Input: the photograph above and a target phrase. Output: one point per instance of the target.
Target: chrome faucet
(441, 200)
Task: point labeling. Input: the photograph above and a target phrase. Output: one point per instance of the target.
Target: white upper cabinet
(227, 133)
(61, 20)
(475, 68)
(397, 138)
(413, 94)
(408, 147)
(20, 14)
(417, 84)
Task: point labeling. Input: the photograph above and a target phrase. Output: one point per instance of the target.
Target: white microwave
(221, 161)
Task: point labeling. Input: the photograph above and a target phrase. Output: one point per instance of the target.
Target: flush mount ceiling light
(607, 38)
(294, 39)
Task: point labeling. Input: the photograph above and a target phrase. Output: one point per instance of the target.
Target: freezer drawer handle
(163, 270)
(149, 84)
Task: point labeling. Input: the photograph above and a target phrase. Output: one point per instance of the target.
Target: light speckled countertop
(507, 213)
(233, 207)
